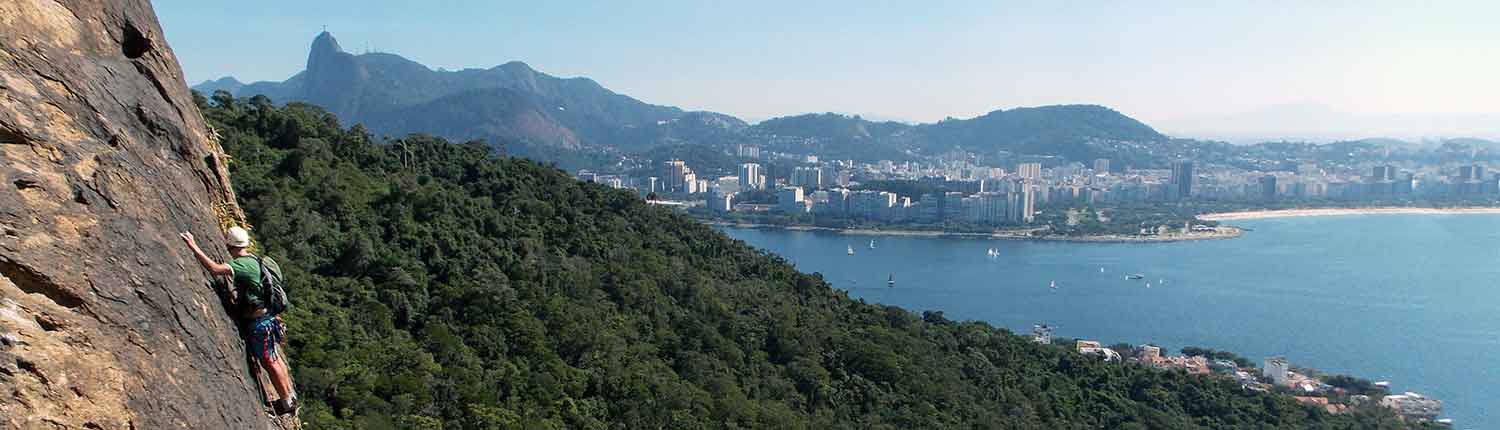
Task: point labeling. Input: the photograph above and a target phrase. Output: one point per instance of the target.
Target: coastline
(1223, 232)
(1284, 213)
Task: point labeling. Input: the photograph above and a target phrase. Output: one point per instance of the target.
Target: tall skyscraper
(1028, 203)
(790, 200)
(1383, 173)
(1101, 166)
(1268, 187)
(1182, 179)
(751, 177)
(1030, 171)
(1473, 172)
(673, 175)
(807, 177)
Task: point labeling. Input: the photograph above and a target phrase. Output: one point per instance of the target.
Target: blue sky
(907, 60)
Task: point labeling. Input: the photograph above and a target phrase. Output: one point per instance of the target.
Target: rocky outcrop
(106, 322)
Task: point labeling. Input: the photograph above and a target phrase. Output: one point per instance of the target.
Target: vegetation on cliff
(438, 286)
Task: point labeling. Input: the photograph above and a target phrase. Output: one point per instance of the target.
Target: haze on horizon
(1235, 71)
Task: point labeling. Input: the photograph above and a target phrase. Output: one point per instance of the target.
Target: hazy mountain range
(392, 95)
(512, 102)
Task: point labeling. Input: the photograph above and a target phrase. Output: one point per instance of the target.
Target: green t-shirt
(247, 281)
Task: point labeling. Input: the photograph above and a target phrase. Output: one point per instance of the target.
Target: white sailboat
(1148, 284)
(872, 243)
(891, 281)
(851, 249)
(1101, 270)
(1053, 285)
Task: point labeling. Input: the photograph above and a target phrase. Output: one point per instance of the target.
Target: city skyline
(961, 60)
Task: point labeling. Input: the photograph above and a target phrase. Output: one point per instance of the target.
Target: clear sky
(903, 60)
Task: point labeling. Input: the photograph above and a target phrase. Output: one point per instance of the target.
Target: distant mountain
(229, 84)
(1071, 131)
(392, 95)
(507, 101)
(1319, 123)
(1065, 130)
(831, 126)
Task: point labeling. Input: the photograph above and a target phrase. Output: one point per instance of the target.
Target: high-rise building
(720, 201)
(790, 200)
(1101, 166)
(1182, 179)
(1030, 171)
(1276, 369)
(748, 151)
(1405, 185)
(953, 203)
(871, 204)
(834, 201)
(751, 177)
(1470, 173)
(1383, 173)
(1028, 203)
(1268, 187)
(673, 175)
(807, 177)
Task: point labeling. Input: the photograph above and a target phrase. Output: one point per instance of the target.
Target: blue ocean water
(1413, 299)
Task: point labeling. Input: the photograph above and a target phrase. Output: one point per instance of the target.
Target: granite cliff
(106, 322)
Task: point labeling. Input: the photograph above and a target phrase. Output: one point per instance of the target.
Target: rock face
(106, 321)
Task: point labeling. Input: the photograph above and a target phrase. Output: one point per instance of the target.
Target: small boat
(1053, 285)
(1101, 270)
(1135, 276)
(891, 281)
(851, 249)
(1148, 284)
(872, 244)
(992, 252)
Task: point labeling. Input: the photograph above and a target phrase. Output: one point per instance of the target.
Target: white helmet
(238, 237)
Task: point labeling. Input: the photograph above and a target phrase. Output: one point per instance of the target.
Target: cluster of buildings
(1380, 181)
(982, 194)
(1011, 202)
(1275, 372)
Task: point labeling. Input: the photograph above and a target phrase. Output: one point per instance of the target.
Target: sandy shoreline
(1225, 232)
(1281, 213)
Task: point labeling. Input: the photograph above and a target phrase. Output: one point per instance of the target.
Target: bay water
(1413, 299)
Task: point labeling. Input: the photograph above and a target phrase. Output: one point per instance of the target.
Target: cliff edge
(106, 322)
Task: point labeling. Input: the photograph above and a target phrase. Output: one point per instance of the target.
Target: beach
(1281, 213)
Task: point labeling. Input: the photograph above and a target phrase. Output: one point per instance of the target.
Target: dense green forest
(438, 286)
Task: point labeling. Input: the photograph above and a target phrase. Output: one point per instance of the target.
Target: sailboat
(1101, 270)
(992, 252)
(1053, 285)
(872, 244)
(891, 281)
(851, 249)
(1148, 284)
